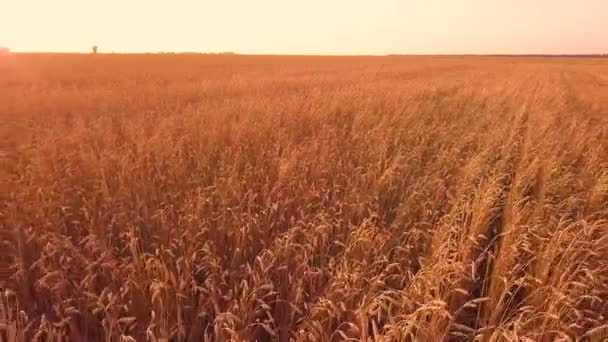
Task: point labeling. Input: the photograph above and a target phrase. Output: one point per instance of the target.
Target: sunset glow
(307, 27)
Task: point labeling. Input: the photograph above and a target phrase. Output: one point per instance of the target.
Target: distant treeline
(556, 56)
(199, 53)
(517, 55)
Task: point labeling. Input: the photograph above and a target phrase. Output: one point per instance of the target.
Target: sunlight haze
(307, 27)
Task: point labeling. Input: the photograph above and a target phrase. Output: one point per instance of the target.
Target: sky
(332, 27)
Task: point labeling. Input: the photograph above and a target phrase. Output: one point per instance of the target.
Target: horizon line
(232, 53)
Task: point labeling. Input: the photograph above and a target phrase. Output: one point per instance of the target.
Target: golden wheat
(189, 198)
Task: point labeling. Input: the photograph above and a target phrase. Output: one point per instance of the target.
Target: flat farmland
(226, 197)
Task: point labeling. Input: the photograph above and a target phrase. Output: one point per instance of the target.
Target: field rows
(266, 198)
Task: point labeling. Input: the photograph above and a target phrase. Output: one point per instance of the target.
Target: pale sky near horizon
(307, 27)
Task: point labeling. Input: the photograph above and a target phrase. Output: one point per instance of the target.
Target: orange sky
(307, 27)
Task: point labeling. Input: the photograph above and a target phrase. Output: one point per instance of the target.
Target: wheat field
(276, 198)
